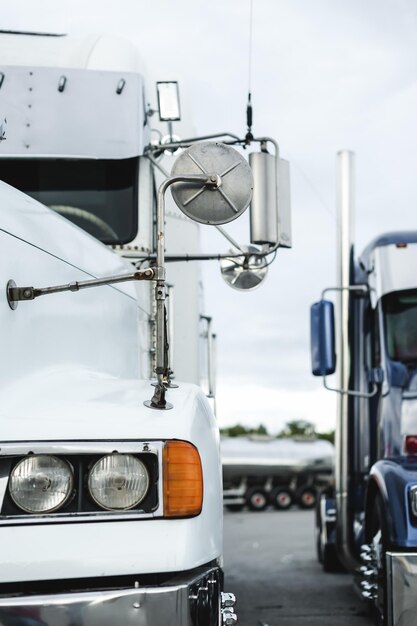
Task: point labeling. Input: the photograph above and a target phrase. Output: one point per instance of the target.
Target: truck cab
(110, 510)
(109, 448)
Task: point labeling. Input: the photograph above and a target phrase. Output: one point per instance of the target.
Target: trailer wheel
(282, 498)
(307, 498)
(256, 499)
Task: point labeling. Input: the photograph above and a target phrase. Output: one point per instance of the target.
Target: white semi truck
(110, 488)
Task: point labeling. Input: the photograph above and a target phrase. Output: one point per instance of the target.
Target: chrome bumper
(402, 589)
(170, 605)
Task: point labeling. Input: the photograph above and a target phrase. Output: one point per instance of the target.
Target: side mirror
(226, 193)
(322, 331)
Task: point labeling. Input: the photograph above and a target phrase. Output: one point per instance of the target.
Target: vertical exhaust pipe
(345, 251)
(171, 326)
(211, 360)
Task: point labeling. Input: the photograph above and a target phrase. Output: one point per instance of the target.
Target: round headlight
(118, 481)
(41, 483)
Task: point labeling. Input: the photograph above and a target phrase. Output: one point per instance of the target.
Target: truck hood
(73, 405)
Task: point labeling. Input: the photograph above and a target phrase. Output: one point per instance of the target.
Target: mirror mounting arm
(350, 392)
(363, 289)
(158, 400)
(219, 228)
(17, 294)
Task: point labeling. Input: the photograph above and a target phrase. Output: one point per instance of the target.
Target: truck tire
(307, 498)
(256, 499)
(282, 498)
(318, 531)
(326, 550)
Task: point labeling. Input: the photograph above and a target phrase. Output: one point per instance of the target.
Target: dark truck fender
(392, 481)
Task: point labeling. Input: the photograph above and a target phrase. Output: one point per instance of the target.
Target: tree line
(295, 428)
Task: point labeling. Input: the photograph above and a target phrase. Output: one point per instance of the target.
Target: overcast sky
(326, 75)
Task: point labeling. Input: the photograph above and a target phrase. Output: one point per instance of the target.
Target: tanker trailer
(258, 471)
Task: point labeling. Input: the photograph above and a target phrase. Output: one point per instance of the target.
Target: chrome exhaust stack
(345, 212)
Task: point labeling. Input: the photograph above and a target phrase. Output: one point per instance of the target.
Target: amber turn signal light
(183, 480)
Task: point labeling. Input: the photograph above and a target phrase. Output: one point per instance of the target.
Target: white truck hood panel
(74, 405)
(71, 404)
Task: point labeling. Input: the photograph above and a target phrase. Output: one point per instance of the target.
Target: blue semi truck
(367, 523)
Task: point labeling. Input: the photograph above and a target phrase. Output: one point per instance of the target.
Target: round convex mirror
(216, 203)
(245, 272)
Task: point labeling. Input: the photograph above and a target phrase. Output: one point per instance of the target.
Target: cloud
(255, 404)
(326, 75)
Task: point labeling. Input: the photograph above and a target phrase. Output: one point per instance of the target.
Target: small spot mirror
(245, 272)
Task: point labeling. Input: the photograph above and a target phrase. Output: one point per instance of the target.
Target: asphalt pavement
(270, 564)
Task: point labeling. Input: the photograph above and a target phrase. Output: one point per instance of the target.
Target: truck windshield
(99, 196)
(400, 313)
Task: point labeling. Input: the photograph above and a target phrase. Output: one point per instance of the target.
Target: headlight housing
(41, 483)
(118, 482)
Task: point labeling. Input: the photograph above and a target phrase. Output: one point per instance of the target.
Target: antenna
(249, 117)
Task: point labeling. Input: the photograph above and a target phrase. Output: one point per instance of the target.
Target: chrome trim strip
(76, 518)
(388, 563)
(144, 606)
(402, 588)
(81, 447)
(130, 607)
(4, 481)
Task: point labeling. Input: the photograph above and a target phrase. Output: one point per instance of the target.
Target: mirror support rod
(158, 400)
(210, 362)
(359, 288)
(186, 143)
(219, 228)
(363, 289)
(229, 238)
(186, 258)
(350, 392)
(16, 294)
